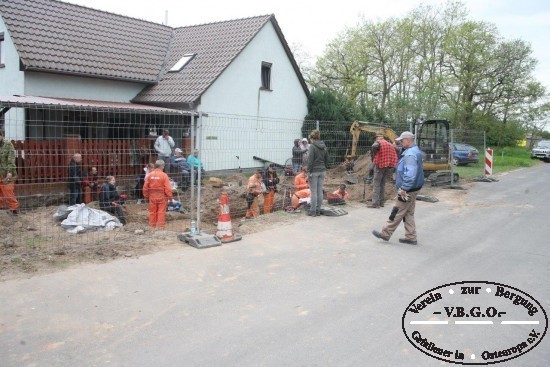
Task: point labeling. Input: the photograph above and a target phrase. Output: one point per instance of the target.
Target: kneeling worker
(301, 185)
(110, 201)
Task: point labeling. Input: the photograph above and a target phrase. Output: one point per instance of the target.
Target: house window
(182, 62)
(266, 75)
(2, 50)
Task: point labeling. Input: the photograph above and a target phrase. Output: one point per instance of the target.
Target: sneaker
(310, 213)
(407, 241)
(379, 235)
(375, 206)
(139, 202)
(318, 213)
(381, 205)
(13, 212)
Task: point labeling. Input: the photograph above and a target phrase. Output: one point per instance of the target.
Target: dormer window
(182, 62)
(266, 75)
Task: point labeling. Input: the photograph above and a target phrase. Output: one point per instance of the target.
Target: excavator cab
(432, 137)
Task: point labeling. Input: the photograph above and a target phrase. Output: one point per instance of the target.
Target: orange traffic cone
(225, 229)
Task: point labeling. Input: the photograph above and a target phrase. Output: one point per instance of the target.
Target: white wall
(265, 123)
(237, 90)
(11, 79)
(66, 86)
(12, 82)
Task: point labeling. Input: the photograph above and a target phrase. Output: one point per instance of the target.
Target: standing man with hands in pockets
(409, 180)
(317, 162)
(163, 146)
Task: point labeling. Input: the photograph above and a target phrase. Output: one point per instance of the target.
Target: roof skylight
(182, 62)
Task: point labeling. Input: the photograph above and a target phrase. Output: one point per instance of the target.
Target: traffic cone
(225, 229)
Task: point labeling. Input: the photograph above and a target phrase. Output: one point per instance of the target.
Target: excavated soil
(35, 243)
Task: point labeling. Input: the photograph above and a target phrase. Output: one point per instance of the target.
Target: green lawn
(504, 159)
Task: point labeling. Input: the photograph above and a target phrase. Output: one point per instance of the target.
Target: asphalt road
(321, 292)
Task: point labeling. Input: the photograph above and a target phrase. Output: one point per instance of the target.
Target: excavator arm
(358, 126)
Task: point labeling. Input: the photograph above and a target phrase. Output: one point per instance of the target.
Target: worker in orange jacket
(253, 191)
(8, 175)
(159, 192)
(302, 187)
(300, 181)
(342, 193)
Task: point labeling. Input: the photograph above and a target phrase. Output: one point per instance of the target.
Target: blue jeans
(316, 187)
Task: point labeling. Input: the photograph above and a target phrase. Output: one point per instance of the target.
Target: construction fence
(120, 142)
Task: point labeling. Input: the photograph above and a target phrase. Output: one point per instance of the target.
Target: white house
(57, 54)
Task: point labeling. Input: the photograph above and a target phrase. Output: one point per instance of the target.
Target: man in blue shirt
(409, 180)
(193, 160)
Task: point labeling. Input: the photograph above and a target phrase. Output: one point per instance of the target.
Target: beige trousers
(405, 212)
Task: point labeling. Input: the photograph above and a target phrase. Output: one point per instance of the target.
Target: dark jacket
(317, 161)
(108, 195)
(75, 174)
(297, 153)
(270, 180)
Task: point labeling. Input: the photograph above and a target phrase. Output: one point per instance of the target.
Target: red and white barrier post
(488, 162)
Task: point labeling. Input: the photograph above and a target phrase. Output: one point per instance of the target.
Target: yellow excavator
(432, 137)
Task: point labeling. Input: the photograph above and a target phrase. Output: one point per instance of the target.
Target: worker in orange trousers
(8, 175)
(253, 189)
(159, 192)
(270, 181)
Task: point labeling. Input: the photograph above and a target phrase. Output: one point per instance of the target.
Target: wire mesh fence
(118, 142)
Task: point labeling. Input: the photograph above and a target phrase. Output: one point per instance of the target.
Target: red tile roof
(67, 38)
(81, 104)
(59, 37)
(216, 45)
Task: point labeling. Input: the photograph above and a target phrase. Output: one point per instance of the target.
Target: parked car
(463, 154)
(541, 151)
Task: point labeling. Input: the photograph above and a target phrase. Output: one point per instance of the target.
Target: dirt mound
(34, 241)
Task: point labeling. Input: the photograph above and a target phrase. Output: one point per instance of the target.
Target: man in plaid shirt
(385, 160)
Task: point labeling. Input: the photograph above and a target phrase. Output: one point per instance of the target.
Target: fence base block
(199, 240)
(333, 212)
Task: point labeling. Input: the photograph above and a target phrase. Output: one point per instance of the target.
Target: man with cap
(158, 190)
(385, 160)
(163, 146)
(179, 163)
(409, 180)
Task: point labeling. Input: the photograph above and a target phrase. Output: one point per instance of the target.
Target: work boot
(379, 235)
(407, 241)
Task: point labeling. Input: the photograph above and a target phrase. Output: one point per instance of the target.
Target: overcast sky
(312, 24)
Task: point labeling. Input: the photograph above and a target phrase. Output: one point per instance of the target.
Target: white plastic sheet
(83, 218)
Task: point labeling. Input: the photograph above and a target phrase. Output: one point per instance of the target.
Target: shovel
(240, 170)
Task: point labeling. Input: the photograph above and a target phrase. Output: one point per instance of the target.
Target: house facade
(69, 53)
